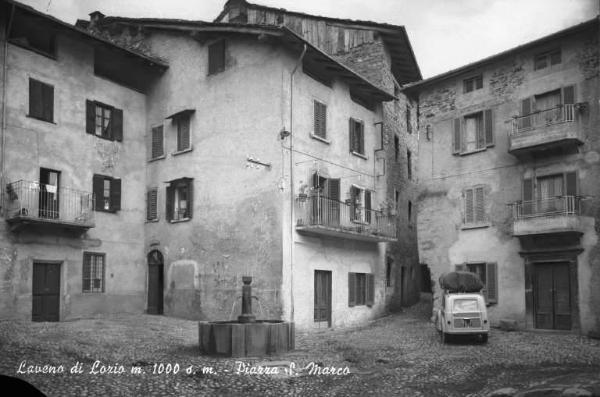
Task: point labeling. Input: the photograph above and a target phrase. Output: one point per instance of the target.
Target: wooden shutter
(527, 196)
(115, 194)
(526, 108)
(117, 124)
(98, 189)
(370, 293)
(157, 142)
(320, 122)
(216, 57)
(491, 281)
(456, 140)
(35, 98)
(351, 289)
(361, 138)
(469, 206)
(368, 206)
(568, 95)
(351, 134)
(571, 183)
(190, 197)
(90, 117)
(479, 130)
(183, 132)
(479, 205)
(48, 102)
(487, 126)
(152, 204)
(170, 202)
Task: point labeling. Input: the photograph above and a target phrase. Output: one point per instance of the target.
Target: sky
(444, 34)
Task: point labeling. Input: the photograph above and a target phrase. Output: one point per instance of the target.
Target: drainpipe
(298, 62)
(4, 79)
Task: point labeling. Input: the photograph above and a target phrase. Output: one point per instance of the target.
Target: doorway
(552, 296)
(45, 292)
(49, 193)
(155, 282)
(323, 297)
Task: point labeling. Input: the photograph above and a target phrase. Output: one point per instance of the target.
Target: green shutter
(48, 102)
(151, 204)
(491, 277)
(98, 189)
(157, 148)
(480, 131)
(370, 289)
(170, 207)
(351, 289)
(527, 196)
(479, 205)
(190, 197)
(526, 108)
(90, 117)
(35, 98)
(117, 125)
(488, 123)
(361, 137)
(456, 140)
(115, 194)
(351, 134)
(469, 206)
(368, 206)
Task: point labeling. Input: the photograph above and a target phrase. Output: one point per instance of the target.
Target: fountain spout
(246, 316)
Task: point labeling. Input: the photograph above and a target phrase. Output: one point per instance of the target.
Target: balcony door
(550, 192)
(49, 193)
(552, 296)
(326, 201)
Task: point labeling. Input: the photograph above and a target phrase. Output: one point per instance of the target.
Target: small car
(462, 313)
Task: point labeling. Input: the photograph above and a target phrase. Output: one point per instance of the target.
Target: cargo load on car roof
(461, 282)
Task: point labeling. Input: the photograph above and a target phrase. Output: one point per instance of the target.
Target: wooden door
(155, 283)
(49, 193)
(323, 296)
(46, 292)
(552, 296)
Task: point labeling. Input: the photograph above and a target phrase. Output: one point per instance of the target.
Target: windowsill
(472, 152)
(106, 138)
(480, 225)
(157, 158)
(40, 119)
(182, 151)
(180, 220)
(318, 138)
(152, 220)
(362, 156)
(106, 211)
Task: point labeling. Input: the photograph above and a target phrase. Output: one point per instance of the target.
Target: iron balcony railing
(343, 217)
(559, 205)
(38, 201)
(541, 118)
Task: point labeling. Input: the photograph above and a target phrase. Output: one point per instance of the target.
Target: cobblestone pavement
(397, 355)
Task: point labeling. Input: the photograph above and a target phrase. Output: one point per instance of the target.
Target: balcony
(35, 204)
(556, 215)
(317, 215)
(546, 132)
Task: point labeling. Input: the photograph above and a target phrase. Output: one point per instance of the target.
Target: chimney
(95, 18)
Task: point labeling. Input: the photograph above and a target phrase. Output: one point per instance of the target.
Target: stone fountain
(247, 336)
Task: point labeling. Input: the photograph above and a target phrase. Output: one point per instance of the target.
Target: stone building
(151, 163)
(508, 169)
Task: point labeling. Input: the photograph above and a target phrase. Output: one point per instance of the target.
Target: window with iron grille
(472, 83)
(158, 149)
(320, 120)
(357, 136)
(41, 101)
(152, 204)
(93, 272)
(107, 192)
(216, 57)
(180, 200)
(361, 289)
(475, 205)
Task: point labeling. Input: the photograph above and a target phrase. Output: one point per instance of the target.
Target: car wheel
(484, 338)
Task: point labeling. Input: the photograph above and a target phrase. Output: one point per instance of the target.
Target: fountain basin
(235, 339)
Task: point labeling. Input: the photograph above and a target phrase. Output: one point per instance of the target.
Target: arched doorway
(155, 282)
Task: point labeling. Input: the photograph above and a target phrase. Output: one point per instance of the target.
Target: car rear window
(465, 305)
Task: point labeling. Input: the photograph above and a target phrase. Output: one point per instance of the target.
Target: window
(30, 34)
(474, 205)
(180, 199)
(548, 58)
(357, 137)
(396, 148)
(547, 108)
(408, 120)
(152, 204)
(41, 101)
(216, 57)
(93, 272)
(409, 164)
(361, 289)
(320, 120)
(550, 194)
(472, 132)
(409, 213)
(104, 121)
(158, 149)
(389, 264)
(183, 132)
(472, 83)
(488, 273)
(359, 212)
(107, 192)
